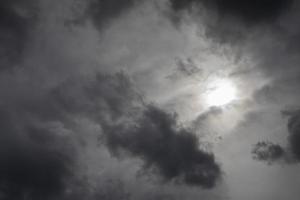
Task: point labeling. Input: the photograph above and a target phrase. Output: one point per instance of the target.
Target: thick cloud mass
(267, 151)
(249, 11)
(38, 142)
(173, 152)
(144, 131)
(102, 11)
(16, 20)
(253, 11)
(32, 172)
(28, 168)
(106, 80)
(179, 5)
(38, 146)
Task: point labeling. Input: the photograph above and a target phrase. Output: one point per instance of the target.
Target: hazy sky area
(149, 99)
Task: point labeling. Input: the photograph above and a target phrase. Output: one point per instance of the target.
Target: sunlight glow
(221, 92)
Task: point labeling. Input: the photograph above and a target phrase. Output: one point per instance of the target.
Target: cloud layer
(16, 21)
(125, 89)
(170, 150)
(250, 12)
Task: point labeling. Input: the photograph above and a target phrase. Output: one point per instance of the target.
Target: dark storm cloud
(32, 172)
(102, 11)
(141, 130)
(253, 11)
(38, 151)
(39, 156)
(232, 21)
(249, 11)
(16, 21)
(170, 150)
(29, 169)
(36, 155)
(267, 151)
(39, 119)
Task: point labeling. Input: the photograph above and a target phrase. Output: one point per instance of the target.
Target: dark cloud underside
(16, 21)
(171, 151)
(255, 10)
(40, 132)
(248, 11)
(143, 131)
(102, 11)
(29, 169)
(38, 152)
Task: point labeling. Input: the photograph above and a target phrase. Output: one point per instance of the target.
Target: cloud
(17, 18)
(105, 97)
(170, 150)
(144, 131)
(186, 68)
(103, 11)
(233, 22)
(39, 139)
(43, 102)
(250, 12)
(28, 168)
(267, 151)
(294, 133)
(104, 189)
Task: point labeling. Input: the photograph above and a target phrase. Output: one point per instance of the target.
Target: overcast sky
(149, 99)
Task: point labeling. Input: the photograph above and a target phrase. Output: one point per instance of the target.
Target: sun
(221, 92)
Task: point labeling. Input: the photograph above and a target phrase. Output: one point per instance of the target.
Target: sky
(149, 99)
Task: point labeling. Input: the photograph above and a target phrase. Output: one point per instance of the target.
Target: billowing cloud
(267, 151)
(40, 139)
(173, 152)
(67, 116)
(30, 168)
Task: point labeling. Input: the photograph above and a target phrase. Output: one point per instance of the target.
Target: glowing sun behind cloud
(220, 93)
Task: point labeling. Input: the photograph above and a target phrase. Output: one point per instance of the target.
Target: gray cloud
(250, 12)
(267, 151)
(29, 168)
(16, 21)
(44, 102)
(103, 11)
(270, 152)
(171, 151)
(186, 68)
(40, 141)
(294, 133)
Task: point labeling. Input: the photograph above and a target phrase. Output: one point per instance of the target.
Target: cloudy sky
(149, 99)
